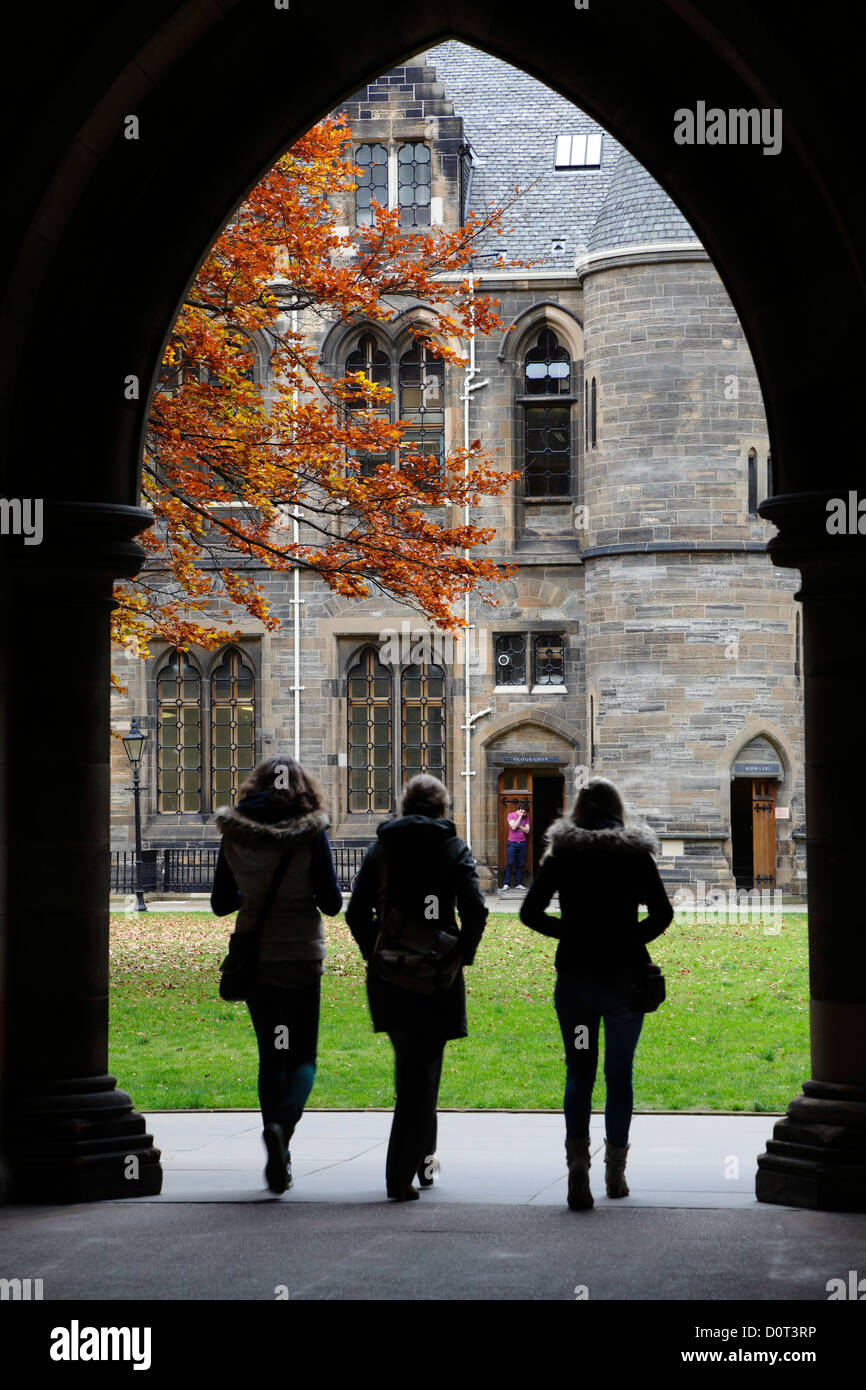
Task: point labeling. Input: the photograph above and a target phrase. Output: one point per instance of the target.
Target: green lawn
(733, 1034)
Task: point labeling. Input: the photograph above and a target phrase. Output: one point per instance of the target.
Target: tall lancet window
(547, 418)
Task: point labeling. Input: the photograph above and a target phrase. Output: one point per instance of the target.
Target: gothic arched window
(379, 701)
(232, 723)
(205, 732)
(370, 743)
(178, 755)
(423, 721)
(547, 420)
(375, 363)
(422, 401)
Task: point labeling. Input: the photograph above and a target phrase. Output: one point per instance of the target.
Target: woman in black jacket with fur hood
(603, 871)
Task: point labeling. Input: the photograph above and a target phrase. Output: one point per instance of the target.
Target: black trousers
(417, 1073)
(287, 1028)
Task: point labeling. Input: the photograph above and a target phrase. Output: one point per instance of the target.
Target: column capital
(91, 539)
(831, 563)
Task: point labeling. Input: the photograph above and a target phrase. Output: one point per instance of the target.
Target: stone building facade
(645, 635)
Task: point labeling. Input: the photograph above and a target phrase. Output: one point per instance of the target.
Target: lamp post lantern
(134, 744)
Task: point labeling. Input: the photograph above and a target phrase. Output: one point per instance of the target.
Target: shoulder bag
(645, 988)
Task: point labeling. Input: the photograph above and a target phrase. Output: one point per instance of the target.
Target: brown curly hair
(282, 778)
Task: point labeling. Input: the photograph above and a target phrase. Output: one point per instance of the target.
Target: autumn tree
(229, 458)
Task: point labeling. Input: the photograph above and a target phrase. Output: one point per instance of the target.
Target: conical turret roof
(636, 211)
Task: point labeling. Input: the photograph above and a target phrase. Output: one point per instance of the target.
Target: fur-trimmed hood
(563, 834)
(258, 834)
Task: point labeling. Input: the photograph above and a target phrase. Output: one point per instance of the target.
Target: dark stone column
(817, 1156)
(68, 1133)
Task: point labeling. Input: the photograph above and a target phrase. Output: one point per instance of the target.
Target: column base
(78, 1141)
(817, 1156)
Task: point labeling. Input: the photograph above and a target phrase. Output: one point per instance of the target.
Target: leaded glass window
(548, 367)
(369, 358)
(547, 425)
(422, 401)
(511, 660)
(178, 763)
(548, 451)
(423, 719)
(549, 659)
(369, 742)
(372, 182)
(752, 482)
(413, 185)
(232, 688)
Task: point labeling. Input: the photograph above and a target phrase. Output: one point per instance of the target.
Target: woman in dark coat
(427, 864)
(280, 805)
(602, 870)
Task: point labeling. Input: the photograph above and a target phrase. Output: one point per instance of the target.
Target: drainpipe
(296, 604)
(469, 719)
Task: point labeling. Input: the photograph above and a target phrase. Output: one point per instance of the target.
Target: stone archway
(80, 237)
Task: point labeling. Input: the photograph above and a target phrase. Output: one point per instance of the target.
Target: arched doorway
(541, 790)
(755, 773)
(80, 231)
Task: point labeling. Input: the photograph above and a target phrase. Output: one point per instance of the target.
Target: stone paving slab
(498, 1157)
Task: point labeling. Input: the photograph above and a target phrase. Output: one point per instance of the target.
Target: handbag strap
(271, 894)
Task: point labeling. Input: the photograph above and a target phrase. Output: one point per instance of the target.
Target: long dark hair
(283, 780)
(597, 802)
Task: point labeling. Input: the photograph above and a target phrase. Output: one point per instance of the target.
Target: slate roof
(636, 210)
(512, 122)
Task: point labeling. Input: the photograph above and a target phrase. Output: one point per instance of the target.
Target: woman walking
(415, 875)
(279, 810)
(602, 870)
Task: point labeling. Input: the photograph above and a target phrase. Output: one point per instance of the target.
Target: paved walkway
(502, 1157)
(495, 1226)
(497, 902)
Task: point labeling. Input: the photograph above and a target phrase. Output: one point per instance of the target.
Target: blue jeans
(515, 860)
(581, 1002)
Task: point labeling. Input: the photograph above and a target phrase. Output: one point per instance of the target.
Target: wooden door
(515, 787)
(764, 832)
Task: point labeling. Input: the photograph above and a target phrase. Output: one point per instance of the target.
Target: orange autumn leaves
(231, 449)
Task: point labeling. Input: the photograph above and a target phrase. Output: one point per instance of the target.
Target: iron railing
(191, 870)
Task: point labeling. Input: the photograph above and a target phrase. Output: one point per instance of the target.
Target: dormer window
(578, 151)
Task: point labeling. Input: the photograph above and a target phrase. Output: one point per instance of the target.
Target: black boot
(277, 1167)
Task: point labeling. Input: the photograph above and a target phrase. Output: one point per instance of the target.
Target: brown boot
(614, 1170)
(577, 1157)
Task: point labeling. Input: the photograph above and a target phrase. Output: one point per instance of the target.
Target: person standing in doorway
(518, 835)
